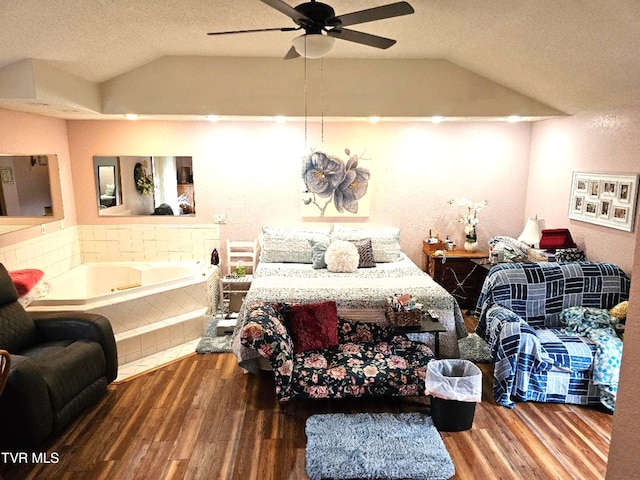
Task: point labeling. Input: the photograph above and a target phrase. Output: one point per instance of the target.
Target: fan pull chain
(306, 146)
(322, 101)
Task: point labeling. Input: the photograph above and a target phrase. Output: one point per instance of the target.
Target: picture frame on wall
(605, 199)
(578, 204)
(6, 173)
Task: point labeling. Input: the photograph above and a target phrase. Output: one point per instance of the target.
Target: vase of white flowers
(470, 220)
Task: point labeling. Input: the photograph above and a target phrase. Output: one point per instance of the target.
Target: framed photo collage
(604, 199)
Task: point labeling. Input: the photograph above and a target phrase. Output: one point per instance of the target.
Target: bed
(286, 273)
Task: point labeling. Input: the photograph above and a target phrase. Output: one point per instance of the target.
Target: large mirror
(29, 191)
(140, 185)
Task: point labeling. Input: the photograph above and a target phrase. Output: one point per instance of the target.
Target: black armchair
(61, 363)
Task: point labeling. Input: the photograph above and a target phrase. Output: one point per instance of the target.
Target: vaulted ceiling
(569, 55)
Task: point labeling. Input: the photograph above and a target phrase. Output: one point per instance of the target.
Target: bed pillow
(288, 245)
(365, 252)
(313, 326)
(384, 241)
(318, 249)
(342, 257)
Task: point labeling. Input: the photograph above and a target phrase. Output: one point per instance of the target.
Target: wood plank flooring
(202, 418)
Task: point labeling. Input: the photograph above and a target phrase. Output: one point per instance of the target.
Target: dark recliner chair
(61, 363)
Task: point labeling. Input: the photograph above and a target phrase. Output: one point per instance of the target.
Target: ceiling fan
(317, 17)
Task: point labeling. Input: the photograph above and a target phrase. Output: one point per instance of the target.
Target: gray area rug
(210, 343)
(474, 348)
(376, 445)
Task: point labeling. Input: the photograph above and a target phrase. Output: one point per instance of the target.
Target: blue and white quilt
(544, 349)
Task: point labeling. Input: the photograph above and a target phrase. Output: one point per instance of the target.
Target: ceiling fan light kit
(313, 45)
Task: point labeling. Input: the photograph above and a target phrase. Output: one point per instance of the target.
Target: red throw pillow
(313, 326)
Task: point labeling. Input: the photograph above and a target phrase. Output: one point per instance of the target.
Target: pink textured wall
(251, 171)
(624, 461)
(605, 142)
(27, 134)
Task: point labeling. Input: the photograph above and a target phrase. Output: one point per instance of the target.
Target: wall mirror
(144, 185)
(29, 191)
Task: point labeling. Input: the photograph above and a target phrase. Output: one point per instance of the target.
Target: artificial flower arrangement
(470, 220)
(144, 182)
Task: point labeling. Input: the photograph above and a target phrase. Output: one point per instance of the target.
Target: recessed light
(212, 118)
(514, 118)
(279, 118)
(374, 119)
(437, 119)
(131, 116)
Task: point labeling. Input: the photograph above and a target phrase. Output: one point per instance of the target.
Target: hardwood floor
(201, 417)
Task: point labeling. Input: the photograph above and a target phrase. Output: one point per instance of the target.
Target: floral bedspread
(366, 288)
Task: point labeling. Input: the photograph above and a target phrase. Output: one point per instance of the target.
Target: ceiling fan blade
(292, 53)
(361, 37)
(377, 13)
(230, 32)
(288, 10)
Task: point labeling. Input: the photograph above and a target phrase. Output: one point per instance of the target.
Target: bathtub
(152, 306)
(91, 283)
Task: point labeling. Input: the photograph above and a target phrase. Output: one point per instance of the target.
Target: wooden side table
(456, 272)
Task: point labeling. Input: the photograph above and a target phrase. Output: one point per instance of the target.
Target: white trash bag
(454, 379)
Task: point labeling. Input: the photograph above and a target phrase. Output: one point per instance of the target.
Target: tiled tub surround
(161, 313)
(53, 253)
(57, 252)
(147, 242)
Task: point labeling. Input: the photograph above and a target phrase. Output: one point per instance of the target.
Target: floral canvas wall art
(333, 186)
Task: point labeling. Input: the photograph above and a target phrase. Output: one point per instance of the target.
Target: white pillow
(342, 257)
(385, 242)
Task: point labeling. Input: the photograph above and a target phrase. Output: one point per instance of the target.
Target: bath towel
(26, 279)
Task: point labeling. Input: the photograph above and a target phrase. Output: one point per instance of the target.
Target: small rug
(376, 445)
(474, 348)
(211, 343)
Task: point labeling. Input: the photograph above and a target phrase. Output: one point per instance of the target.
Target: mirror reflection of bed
(118, 194)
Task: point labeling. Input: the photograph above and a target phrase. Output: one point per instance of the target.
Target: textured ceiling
(574, 55)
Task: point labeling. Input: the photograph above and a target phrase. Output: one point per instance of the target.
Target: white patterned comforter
(366, 288)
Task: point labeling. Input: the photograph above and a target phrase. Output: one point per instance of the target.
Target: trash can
(454, 386)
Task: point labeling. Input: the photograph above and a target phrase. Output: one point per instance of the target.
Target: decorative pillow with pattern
(359, 332)
(385, 242)
(365, 251)
(318, 249)
(570, 255)
(288, 245)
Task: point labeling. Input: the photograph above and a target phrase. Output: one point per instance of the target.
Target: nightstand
(233, 290)
(456, 272)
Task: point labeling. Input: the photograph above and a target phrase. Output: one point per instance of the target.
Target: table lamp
(532, 232)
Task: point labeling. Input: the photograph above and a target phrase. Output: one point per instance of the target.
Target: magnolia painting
(333, 187)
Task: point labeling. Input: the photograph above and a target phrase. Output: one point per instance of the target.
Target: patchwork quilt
(545, 350)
